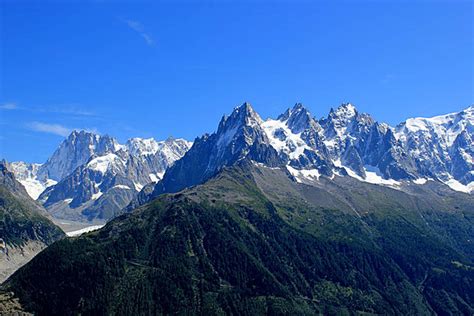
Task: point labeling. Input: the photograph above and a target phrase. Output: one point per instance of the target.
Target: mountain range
(345, 143)
(342, 215)
(92, 177)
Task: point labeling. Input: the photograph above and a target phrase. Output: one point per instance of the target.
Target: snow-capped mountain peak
(299, 119)
(97, 175)
(345, 111)
(142, 146)
(243, 115)
(296, 135)
(446, 127)
(172, 149)
(75, 151)
(243, 123)
(283, 139)
(442, 146)
(338, 121)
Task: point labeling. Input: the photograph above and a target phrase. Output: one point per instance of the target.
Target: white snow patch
(97, 195)
(34, 187)
(458, 186)
(373, 175)
(292, 144)
(121, 186)
(330, 143)
(346, 111)
(416, 124)
(153, 177)
(83, 230)
(26, 174)
(138, 186)
(102, 163)
(420, 181)
(259, 164)
(445, 127)
(142, 146)
(302, 175)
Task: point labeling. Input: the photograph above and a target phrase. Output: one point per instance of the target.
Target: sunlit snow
(83, 230)
(292, 144)
(102, 163)
(301, 175)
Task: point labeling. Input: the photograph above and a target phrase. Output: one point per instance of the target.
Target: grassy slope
(21, 220)
(424, 232)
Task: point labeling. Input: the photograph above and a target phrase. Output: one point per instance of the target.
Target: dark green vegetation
(19, 223)
(21, 218)
(250, 241)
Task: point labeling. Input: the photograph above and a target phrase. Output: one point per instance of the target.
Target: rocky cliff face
(238, 136)
(99, 188)
(74, 152)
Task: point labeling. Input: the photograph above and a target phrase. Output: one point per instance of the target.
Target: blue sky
(142, 69)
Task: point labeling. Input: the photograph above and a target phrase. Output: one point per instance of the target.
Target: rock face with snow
(71, 153)
(298, 139)
(356, 140)
(149, 159)
(238, 136)
(97, 176)
(75, 151)
(27, 174)
(345, 143)
(105, 183)
(442, 146)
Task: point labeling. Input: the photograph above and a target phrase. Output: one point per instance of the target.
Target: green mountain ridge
(20, 222)
(22, 218)
(25, 226)
(250, 241)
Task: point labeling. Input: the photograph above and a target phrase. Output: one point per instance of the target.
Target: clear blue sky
(158, 69)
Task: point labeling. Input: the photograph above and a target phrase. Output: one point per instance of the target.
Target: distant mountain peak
(298, 108)
(299, 119)
(171, 139)
(245, 114)
(242, 122)
(108, 180)
(345, 110)
(74, 151)
(142, 146)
